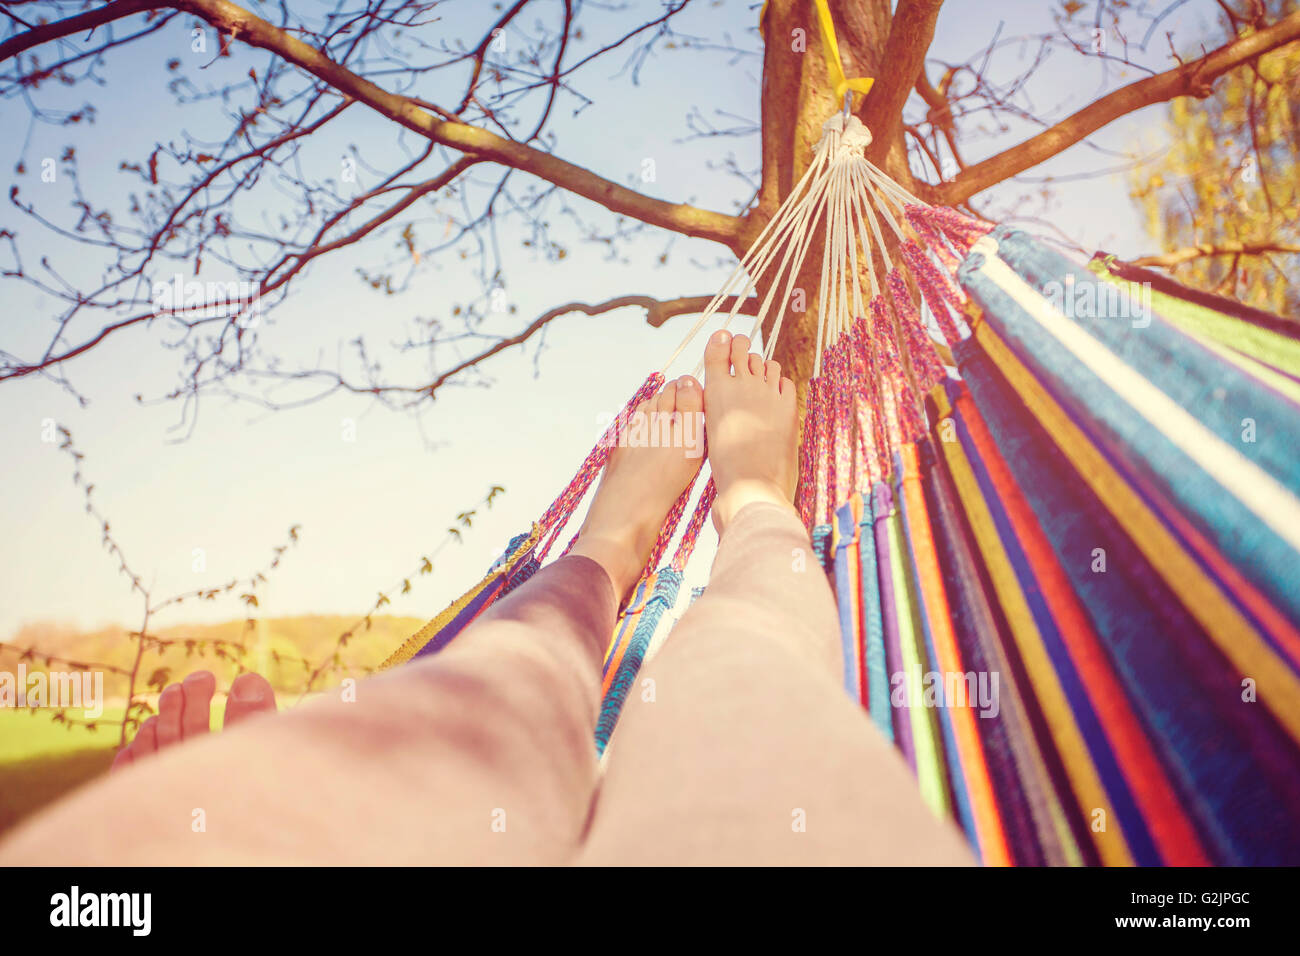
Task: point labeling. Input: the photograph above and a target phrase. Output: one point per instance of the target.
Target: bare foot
(643, 478)
(184, 712)
(751, 426)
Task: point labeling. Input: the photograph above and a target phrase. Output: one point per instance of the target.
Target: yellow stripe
(1270, 500)
(425, 634)
(626, 625)
(1279, 689)
(1084, 780)
(1053, 831)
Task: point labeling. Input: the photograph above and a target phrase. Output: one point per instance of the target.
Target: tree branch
(658, 311)
(910, 35)
(45, 32)
(471, 140)
(939, 112)
(1208, 250)
(1194, 78)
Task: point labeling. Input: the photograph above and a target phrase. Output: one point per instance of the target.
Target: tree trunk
(798, 97)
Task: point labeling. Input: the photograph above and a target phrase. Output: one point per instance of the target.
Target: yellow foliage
(1232, 173)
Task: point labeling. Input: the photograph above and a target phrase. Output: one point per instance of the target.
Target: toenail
(722, 336)
(246, 692)
(686, 382)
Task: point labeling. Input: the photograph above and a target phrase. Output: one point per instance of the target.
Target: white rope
(800, 253)
(813, 211)
(885, 180)
(842, 196)
(798, 249)
(782, 219)
(884, 211)
(875, 228)
(851, 210)
(842, 240)
(822, 286)
(868, 250)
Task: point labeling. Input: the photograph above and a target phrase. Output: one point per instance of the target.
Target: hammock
(1064, 561)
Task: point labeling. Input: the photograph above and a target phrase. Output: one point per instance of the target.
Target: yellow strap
(424, 635)
(834, 65)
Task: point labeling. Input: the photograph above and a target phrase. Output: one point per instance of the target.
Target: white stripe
(1255, 488)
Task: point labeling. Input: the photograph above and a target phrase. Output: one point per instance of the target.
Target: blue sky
(370, 508)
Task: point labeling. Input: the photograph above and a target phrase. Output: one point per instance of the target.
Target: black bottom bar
(402, 906)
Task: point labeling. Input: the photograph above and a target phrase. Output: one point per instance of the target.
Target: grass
(42, 761)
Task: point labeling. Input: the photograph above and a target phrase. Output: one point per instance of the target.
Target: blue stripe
(873, 626)
(1236, 531)
(1125, 806)
(844, 601)
(661, 599)
(1235, 769)
(976, 622)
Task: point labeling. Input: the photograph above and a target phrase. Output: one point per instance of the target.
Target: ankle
(615, 556)
(732, 499)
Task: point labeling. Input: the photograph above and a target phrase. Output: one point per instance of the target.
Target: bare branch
(81, 23)
(658, 311)
(910, 35)
(1193, 78)
(1206, 250)
(471, 140)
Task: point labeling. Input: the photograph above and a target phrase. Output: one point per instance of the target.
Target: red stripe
(1170, 829)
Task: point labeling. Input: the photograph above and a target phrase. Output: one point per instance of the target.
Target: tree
(193, 198)
(1222, 200)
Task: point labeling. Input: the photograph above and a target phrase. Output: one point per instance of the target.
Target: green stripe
(931, 771)
(1243, 344)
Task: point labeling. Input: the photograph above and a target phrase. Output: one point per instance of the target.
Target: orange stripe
(624, 627)
(979, 787)
(1170, 829)
(618, 647)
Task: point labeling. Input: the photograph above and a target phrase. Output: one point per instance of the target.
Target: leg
(750, 751)
(480, 754)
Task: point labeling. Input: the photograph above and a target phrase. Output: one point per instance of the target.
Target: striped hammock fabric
(1066, 559)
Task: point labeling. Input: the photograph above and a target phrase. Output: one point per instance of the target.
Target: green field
(41, 760)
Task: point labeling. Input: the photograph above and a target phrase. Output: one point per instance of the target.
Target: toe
(717, 356)
(146, 739)
(123, 759)
(249, 694)
(689, 425)
(756, 365)
(740, 354)
(170, 705)
(787, 388)
(638, 422)
(690, 396)
(196, 715)
(773, 373)
(667, 400)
